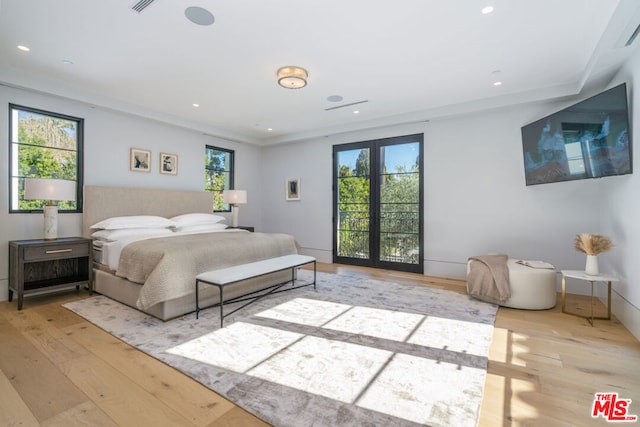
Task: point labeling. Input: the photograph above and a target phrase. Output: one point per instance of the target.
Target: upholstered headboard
(106, 202)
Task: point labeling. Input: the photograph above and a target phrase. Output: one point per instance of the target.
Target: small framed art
(293, 189)
(140, 160)
(169, 164)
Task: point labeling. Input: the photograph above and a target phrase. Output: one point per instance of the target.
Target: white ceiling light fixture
(23, 48)
(292, 77)
(496, 78)
(487, 10)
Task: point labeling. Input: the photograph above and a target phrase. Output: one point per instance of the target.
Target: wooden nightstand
(244, 227)
(38, 265)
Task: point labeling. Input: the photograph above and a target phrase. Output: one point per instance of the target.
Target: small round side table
(581, 275)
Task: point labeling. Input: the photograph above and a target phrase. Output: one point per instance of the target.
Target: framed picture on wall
(140, 160)
(169, 164)
(293, 189)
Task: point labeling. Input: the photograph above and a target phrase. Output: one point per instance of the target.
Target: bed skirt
(127, 292)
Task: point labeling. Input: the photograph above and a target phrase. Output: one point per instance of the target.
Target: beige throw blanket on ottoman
(488, 278)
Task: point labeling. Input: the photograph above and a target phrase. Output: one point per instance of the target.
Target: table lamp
(235, 198)
(49, 189)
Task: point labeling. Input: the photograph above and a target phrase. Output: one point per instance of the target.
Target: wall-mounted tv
(590, 139)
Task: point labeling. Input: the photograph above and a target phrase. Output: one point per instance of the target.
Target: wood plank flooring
(56, 369)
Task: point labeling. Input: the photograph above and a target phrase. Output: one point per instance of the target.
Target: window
(218, 175)
(43, 145)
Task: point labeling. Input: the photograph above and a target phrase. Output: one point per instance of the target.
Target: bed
(157, 274)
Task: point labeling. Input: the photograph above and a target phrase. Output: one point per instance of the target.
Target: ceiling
(410, 61)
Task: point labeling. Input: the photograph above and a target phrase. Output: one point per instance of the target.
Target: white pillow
(134, 221)
(125, 233)
(196, 218)
(202, 227)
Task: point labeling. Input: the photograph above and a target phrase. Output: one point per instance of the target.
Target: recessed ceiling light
(497, 83)
(199, 16)
(356, 111)
(334, 98)
(487, 10)
(67, 62)
(269, 129)
(195, 105)
(23, 48)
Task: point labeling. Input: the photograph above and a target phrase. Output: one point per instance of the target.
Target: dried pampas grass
(592, 244)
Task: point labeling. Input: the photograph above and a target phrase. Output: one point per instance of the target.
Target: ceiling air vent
(633, 36)
(141, 5)
(345, 105)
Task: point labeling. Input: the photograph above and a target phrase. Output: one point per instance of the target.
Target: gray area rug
(356, 352)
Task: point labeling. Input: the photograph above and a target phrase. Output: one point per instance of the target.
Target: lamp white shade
(235, 197)
(49, 189)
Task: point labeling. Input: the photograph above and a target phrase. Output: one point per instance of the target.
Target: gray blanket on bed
(488, 278)
(167, 266)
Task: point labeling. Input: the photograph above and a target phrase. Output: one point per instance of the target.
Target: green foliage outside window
(399, 210)
(353, 207)
(218, 175)
(43, 145)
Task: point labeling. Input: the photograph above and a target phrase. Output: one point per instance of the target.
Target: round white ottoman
(531, 288)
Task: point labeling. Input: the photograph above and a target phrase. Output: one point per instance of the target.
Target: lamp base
(50, 222)
(234, 215)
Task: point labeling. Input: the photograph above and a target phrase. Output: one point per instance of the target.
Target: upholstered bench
(531, 288)
(239, 273)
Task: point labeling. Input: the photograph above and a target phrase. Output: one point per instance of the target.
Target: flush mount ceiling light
(292, 77)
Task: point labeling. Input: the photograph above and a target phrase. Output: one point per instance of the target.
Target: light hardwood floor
(56, 369)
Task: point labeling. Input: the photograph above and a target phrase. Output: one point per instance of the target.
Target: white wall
(108, 137)
(621, 213)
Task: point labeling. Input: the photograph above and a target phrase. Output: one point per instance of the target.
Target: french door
(378, 203)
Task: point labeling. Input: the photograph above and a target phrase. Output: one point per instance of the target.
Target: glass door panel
(353, 204)
(399, 228)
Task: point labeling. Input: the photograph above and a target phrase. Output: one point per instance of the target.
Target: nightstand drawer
(63, 250)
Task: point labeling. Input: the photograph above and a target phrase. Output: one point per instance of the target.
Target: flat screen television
(590, 139)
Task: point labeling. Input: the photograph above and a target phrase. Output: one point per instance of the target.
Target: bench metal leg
(197, 306)
(221, 309)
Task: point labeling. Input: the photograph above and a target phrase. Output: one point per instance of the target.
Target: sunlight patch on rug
(408, 388)
(454, 335)
(375, 322)
(238, 347)
(305, 311)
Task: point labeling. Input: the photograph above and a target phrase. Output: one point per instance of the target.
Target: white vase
(592, 265)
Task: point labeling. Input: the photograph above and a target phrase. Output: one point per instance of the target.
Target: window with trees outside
(43, 145)
(218, 175)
